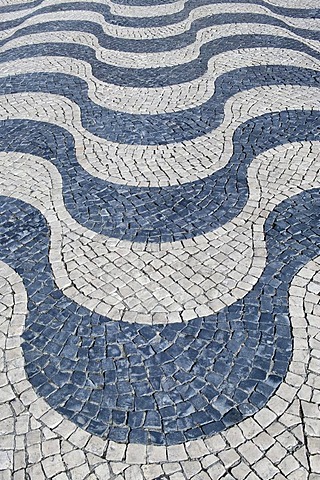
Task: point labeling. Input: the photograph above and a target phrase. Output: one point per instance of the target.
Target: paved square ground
(159, 240)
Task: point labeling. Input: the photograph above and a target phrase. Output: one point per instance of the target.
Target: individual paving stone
(19, 460)
(196, 449)
(234, 437)
(34, 453)
(116, 451)
(250, 452)
(136, 454)
(157, 454)
(177, 476)
(288, 465)
(53, 465)
(229, 458)
(50, 447)
(177, 453)
(61, 476)
(315, 463)
(133, 473)
(152, 471)
(202, 476)
(250, 428)
(96, 446)
(288, 440)
(240, 471)
(264, 441)
(6, 460)
(102, 472)
(80, 473)
(171, 468)
(276, 453)
(216, 471)
(74, 459)
(191, 468)
(265, 469)
(209, 460)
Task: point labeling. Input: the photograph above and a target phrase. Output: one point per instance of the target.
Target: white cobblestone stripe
(143, 33)
(180, 280)
(279, 442)
(168, 58)
(152, 101)
(158, 165)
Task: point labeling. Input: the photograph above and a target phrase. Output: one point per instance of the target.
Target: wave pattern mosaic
(160, 191)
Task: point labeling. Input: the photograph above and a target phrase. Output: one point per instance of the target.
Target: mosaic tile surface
(160, 240)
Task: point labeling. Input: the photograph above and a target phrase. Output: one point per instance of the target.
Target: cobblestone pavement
(160, 240)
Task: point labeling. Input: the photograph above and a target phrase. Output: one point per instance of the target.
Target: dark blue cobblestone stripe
(156, 77)
(159, 384)
(162, 128)
(158, 21)
(158, 214)
(158, 44)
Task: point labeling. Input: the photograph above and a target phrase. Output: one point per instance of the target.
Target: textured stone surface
(160, 244)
